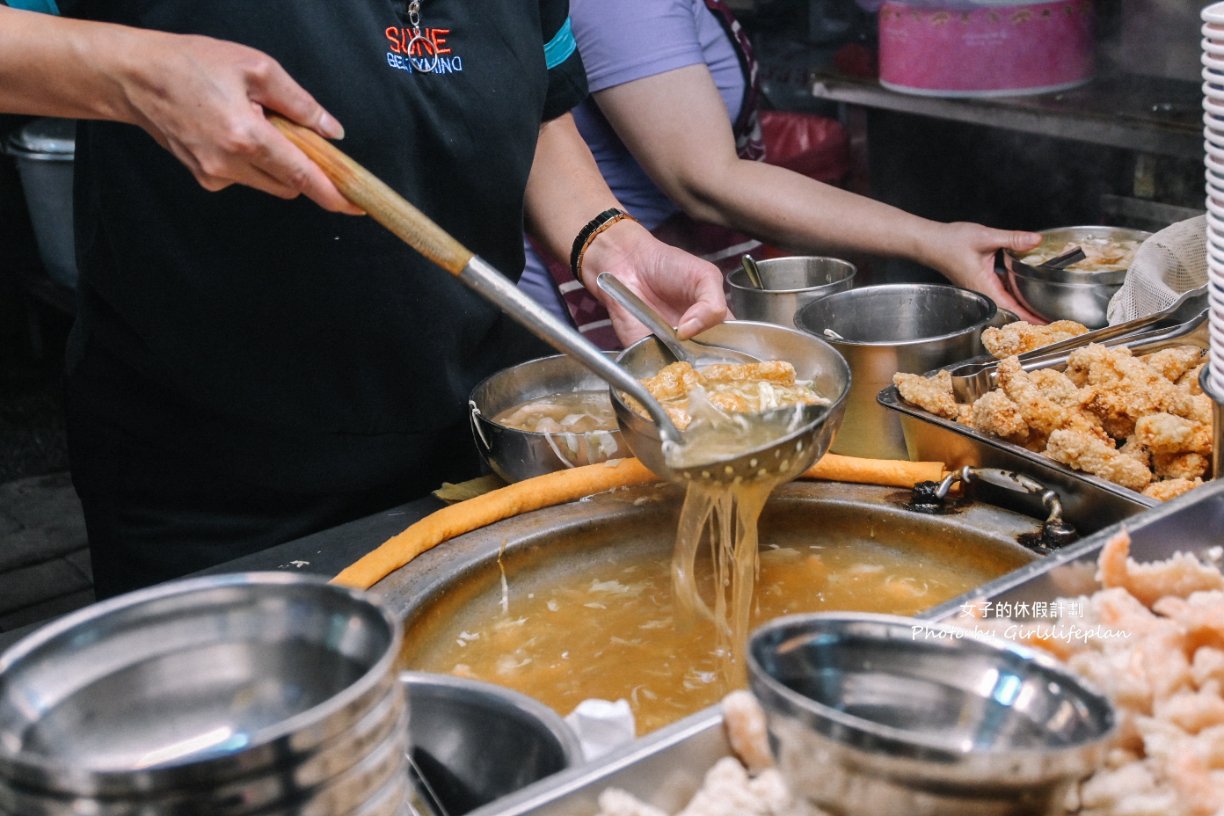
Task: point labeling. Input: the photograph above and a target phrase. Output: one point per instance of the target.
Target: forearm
(565, 189)
(791, 210)
(51, 66)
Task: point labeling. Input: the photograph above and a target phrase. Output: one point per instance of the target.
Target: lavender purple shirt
(620, 42)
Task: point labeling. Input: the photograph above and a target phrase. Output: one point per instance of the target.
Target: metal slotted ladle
(416, 229)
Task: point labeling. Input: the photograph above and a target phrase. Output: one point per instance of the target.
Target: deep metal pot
(880, 330)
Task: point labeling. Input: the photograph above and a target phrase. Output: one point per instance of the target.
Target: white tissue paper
(601, 726)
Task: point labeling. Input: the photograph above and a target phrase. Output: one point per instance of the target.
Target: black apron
(233, 346)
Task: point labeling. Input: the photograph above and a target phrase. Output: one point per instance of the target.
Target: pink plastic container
(985, 48)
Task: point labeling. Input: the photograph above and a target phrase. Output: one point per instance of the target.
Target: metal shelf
(1145, 114)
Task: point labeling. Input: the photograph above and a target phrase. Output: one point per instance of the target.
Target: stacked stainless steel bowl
(251, 693)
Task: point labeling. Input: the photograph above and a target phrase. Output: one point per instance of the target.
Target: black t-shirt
(311, 349)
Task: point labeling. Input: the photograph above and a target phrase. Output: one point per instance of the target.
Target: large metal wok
(461, 580)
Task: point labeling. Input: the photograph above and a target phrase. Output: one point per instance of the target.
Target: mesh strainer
(1168, 263)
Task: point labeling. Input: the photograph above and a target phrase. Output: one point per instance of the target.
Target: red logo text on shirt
(423, 50)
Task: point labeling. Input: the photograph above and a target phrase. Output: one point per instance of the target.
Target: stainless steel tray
(1089, 502)
(1192, 523)
(667, 767)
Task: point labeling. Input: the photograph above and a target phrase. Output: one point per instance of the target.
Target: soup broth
(606, 625)
(565, 412)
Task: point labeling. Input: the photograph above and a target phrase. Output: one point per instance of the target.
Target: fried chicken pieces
(1019, 337)
(1141, 422)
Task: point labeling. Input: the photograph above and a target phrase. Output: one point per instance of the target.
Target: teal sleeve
(45, 6)
(566, 76)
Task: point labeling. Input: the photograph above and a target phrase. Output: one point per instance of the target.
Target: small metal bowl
(1076, 292)
(475, 742)
(813, 359)
(883, 714)
(789, 284)
(514, 454)
(204, 684)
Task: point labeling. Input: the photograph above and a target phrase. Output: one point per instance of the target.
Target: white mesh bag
(1170, 262)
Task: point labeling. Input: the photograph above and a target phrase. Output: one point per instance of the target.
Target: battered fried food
(1088, 453)
(1141, 422)
(1182, 575)
(1122, 388)
(1056, 386)
(1174, 363)
(997, 415)
(1170, 488)
(743, 388)
(1021, 336)
(1180, 465)
(932, 394)
(1042, 414)
(1169, 434)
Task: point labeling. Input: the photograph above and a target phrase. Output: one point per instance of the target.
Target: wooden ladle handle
(383, 204)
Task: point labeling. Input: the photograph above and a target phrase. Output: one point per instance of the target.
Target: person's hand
(204, 99)
(684, 289)
(966, 256)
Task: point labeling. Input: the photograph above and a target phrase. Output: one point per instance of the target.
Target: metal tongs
(1179, 323)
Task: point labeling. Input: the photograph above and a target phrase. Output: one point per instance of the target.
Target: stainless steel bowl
(197, 683)
(475, 742)
(514, 454)
(1074, 293)
(789, 284)
(812, 358)
(333, 779)
(909, 327)
(884, 714)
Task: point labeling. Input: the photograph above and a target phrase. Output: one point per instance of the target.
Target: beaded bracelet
(589, 233)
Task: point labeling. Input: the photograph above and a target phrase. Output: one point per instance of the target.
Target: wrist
(590, 233)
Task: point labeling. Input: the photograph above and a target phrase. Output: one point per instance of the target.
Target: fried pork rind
(932, 394)
(673, 381)
(1152, 640)
(1019, 337)
(747, 730)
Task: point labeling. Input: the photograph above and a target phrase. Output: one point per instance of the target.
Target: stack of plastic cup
(1213, 140)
